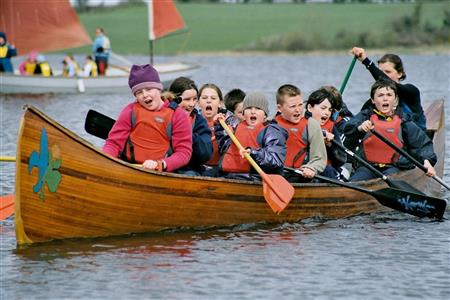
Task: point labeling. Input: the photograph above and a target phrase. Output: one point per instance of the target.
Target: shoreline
(424, 50)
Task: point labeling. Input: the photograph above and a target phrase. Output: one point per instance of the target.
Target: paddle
(6, 206)
(347, 76)
(277, 191)
(98, 124)
(398, 184)
(411, 203)
(7, 158)
(408, 156)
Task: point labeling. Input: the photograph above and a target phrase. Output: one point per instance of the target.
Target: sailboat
(45, 25)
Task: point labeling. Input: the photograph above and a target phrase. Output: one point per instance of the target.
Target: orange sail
(163, 18)
(42, 25)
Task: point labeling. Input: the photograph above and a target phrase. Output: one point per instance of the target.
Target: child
(400, 129)
(202, 148)
(233, 102)
(210, 100)
(264, 141)
(305, 146)
(320, 106)
(150, 131)
(390, 67)
(90, 67)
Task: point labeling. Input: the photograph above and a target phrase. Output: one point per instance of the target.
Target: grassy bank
(224, 28)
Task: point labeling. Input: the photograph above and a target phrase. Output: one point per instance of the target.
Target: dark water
(381, 256)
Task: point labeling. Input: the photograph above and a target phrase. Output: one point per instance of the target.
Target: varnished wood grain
(101, 196)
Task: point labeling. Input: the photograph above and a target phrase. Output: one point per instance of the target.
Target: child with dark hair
(385, 117)
(320, 106)
(202, 148)
(390, 67)
(233, 102)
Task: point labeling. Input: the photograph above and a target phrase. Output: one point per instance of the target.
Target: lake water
(379, 256)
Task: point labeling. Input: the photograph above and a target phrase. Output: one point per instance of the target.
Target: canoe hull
(98, 195)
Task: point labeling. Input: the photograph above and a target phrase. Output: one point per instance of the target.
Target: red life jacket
(248, 136)
(328, 126)
(297, 141)
(151, 134)
(214, 161)
(374, 149)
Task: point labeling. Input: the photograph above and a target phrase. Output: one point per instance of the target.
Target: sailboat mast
(151, 34)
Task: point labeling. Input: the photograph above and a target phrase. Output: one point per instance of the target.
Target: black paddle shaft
(408, 156)
(398, 184)
(408, 202)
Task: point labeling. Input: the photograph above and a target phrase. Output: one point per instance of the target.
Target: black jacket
(416, 142)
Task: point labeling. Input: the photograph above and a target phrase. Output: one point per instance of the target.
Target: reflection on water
(387, 255)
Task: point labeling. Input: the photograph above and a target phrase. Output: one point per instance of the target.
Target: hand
(360, 53)
(243, 151)
(430, 170)
(366, 126)
(218, 117)
(150, 164)
(328, 136)
(307, 172)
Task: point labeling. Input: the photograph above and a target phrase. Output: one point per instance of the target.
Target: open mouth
(208, 108)
(253, 118)
(148, 101)
(324, 118)
(385, 105)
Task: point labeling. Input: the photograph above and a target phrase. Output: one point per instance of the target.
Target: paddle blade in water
(6, 206)
(278, 192)
(415, 204)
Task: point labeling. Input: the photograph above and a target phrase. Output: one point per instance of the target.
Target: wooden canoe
(67, 188)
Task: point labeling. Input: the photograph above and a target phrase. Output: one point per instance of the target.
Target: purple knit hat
(144, 76)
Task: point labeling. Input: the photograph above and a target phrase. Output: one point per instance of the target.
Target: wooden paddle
(6, 206)
(398, 184)
(408, 156)
(408, 202)
(277, 191)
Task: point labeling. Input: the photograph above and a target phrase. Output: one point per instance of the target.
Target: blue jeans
(363, 173)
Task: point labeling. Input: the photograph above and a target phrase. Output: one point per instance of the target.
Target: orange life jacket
(151, 134)
(214, 161)
(248, 136)
(374, 149)
(297, 141)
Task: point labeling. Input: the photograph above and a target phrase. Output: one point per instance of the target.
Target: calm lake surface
(379, 256)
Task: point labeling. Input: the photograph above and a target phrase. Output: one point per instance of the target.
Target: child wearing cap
(264, 141)
(150, 131)
(305, 146)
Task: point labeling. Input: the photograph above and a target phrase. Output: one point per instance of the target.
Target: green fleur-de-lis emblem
(47, 167)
